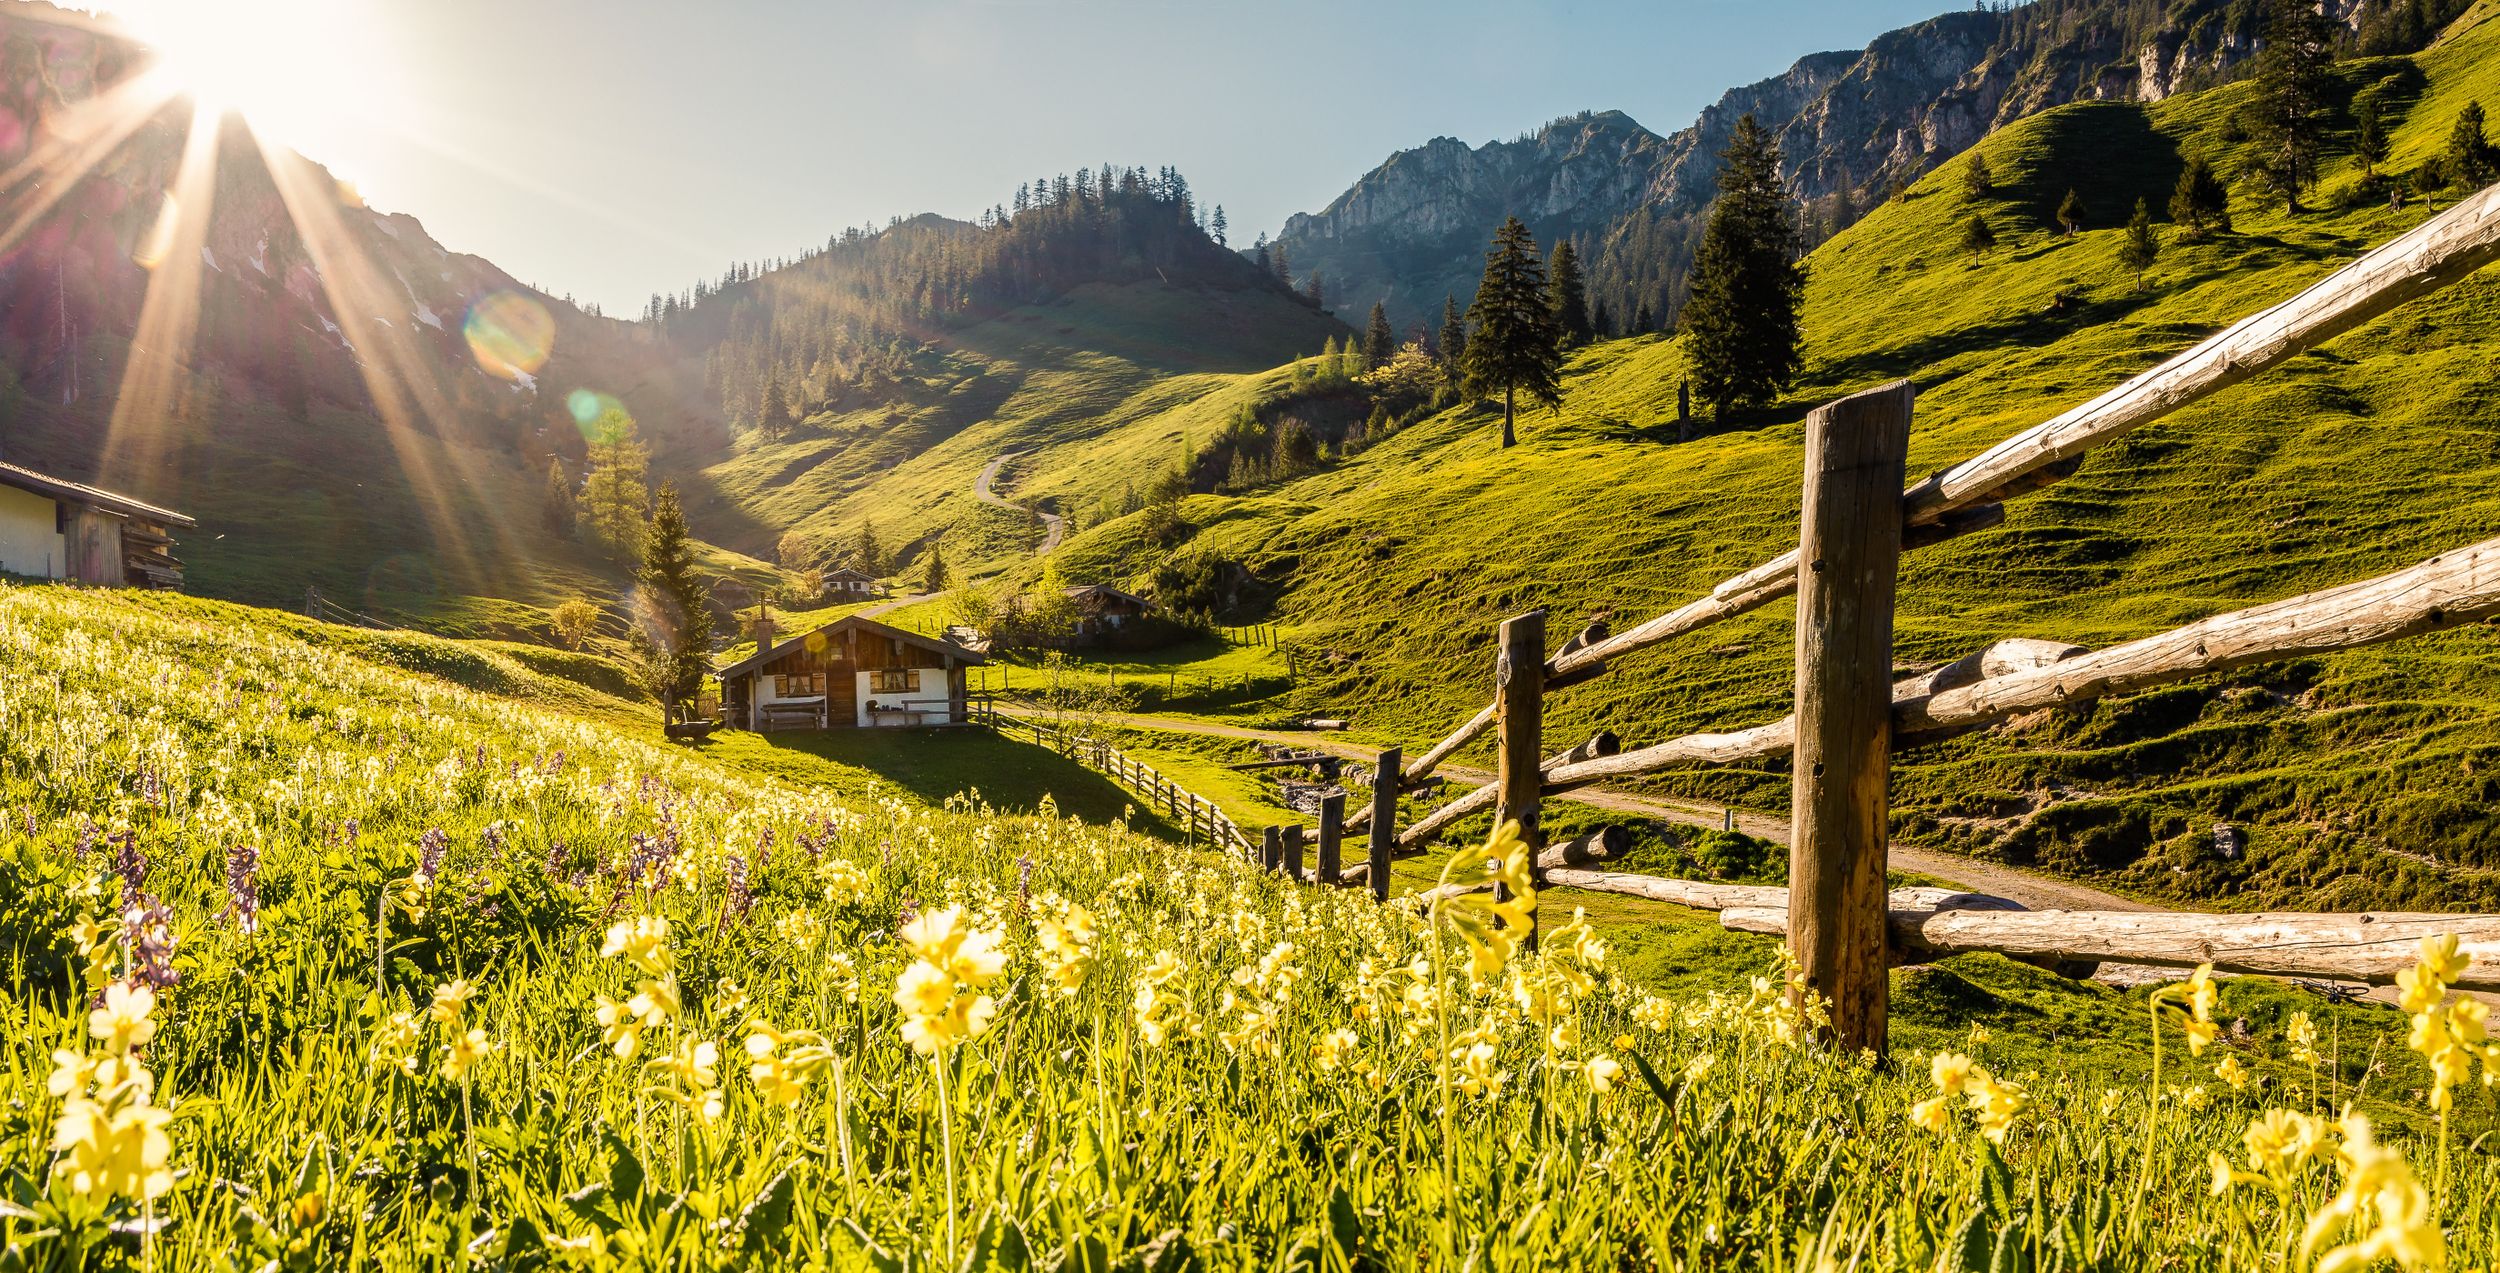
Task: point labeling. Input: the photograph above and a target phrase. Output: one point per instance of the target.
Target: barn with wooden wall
(850, 673)
(53, 528)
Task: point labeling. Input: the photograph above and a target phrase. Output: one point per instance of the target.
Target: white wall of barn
(30, 535)
(928, 694)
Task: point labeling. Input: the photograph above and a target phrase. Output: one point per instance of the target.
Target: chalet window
(892, 681)
(798, 685)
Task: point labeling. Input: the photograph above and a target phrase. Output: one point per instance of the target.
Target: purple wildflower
(129, 863)
(738, 898)
(243, 886)
(150, 930)
(430, 850)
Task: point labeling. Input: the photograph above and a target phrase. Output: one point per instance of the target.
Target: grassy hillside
(421, 974)
(1106, 383)
(2362, 779)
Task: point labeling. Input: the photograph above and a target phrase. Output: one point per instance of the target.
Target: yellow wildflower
(641, 941)
(451, 1002)
(463, 1053)
(1602, 1073)
(118, 1149)
(619, 1029)
(121, 1022)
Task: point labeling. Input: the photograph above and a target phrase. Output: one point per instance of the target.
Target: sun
(311, 75)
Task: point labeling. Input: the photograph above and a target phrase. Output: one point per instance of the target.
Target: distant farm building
(846, 584)
(1101, 608)
(53, 528)
(850, 673)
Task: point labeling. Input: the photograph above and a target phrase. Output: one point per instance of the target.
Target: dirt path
(1054, 527)
(896, 604)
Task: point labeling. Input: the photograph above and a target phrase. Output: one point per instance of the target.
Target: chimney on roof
(764, 626)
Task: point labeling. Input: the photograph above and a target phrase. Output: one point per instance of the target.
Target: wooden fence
(1197, 816)
(1858, 515)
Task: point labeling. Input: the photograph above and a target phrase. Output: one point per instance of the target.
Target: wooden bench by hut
(850, 673)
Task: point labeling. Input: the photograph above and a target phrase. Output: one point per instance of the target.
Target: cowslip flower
(114, 1149)
(122, 1021)
(1331, 1050)
(1490, 924)
(782, 1061)
(1065, 947)
(463, 1053)
(619, 1029)
(642, 942)
(690, 1078)
(1602, 1073)
(451, 1002)
(2384, 1201)
(395, 1043)
(656, 1002)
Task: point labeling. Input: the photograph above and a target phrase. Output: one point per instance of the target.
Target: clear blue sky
(613, 148)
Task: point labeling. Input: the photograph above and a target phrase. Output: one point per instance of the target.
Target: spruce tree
(775, 421)
(2370, 142)
(1570, 295)
(2142, 246)
(867, 556)
(1378, 340)
(558, 505)
(1644, 320)
(1453, 333)
(1513, 347)
(1602, 320)
(934, 578)
(614, 495)
(1978, 180)
(2200, 204)
(2471, 157)
(680, 613)
(1315, 290)
(2294, 76)
(1745, 283)
(1977, 238)
(2070, 213)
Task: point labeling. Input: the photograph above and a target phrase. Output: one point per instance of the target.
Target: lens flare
(510, 335)
(600, 417)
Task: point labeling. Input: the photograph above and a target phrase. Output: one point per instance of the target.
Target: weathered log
(2439, 252)
(1283, 762)
(1383, 839)
(1693, 893)
(1849, 536)
(2371, 946)
(1414, 774)
(1604, 742)
(1596, 846)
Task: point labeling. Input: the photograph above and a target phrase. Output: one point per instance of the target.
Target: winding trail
(1054, 527)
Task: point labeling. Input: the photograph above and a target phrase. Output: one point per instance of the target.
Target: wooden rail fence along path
(1858, 514)
(1198, 817)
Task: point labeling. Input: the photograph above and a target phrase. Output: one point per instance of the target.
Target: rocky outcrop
(1850, 122)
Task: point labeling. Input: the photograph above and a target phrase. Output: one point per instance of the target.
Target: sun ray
(405, 394)
(78, 140)
(158, 375)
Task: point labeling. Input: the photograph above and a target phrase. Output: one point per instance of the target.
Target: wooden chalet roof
(59, 488)
(1102, 592)
(845, 574)
(849, 622)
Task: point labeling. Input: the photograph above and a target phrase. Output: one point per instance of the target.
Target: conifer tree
(1217, 225)
(933, 578)
(2142, 246)
(2200, 204)
(2370, 140)
(2070, 213)
(1978, 180)
(2294, 67)
(1977, 238)
(1644, 320)
(558, 505)
(775, 421)
(1746, 286)
(2471, 156)
(614, 495)
(1514, 346)
(1602, 320)
(867, 556)
(1570, 294)
(1379, 342)
(679, 610)
(1316, 291)
(1453, 333)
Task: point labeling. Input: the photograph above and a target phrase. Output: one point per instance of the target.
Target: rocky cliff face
(1849, 123)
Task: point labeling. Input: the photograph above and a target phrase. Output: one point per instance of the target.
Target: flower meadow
(311, 963)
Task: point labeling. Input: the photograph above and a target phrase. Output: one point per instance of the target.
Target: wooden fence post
(1292, 862)
(1331, 837)
(1271, 848)
(1519, 687)
(1848, 550)
(1384, 828)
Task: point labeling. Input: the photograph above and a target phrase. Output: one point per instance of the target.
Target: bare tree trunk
(1510, 438)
